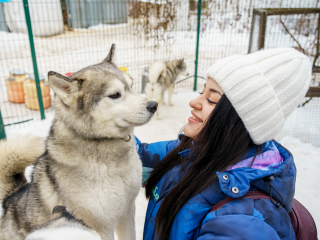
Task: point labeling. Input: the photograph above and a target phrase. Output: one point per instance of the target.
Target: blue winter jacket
(239, 219)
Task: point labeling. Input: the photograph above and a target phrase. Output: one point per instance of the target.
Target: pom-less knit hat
(264, 87)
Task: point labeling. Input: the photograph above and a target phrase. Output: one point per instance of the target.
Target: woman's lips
(190, 119)
(194, 118)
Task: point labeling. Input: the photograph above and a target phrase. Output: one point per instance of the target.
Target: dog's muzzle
(152, 106)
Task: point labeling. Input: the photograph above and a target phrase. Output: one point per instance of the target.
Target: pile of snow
(12, 38)
(46, 17)
(11, 43)
(102, 26)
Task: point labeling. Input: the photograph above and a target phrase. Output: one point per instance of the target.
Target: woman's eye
(209, 101)
(200, 93)
(115, 96)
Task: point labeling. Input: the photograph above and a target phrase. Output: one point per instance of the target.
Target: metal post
(314, 68)
(33, 54)
(197, 47)
(251, 31)
(2, 132)
(68, 14)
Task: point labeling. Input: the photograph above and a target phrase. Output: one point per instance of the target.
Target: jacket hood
(248, 178)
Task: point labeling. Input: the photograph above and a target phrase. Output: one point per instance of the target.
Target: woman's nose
(195, 103)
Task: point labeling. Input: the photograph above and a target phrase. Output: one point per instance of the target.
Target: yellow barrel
(33, 103)
(31, 95)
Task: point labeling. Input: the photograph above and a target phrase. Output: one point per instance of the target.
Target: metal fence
(70, 34)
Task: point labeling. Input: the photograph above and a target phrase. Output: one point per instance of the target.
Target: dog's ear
(180, 62)
(111, 55)
(63, 86)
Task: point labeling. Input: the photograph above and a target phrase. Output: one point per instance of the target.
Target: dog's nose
(152, 106)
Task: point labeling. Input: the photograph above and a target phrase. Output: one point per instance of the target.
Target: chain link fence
(71, 34)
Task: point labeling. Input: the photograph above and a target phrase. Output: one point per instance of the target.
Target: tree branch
(287, 30)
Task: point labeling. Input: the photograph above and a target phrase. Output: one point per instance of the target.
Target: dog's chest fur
(97, 181)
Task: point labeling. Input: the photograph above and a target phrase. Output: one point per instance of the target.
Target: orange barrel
(14, 83)
(31, 95)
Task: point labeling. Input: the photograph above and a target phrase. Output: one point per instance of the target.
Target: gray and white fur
(88, 164)
(63, 226)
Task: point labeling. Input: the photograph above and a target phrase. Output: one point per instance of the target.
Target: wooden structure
(258, 34)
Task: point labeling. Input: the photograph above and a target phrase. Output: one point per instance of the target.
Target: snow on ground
(307, 160)
(307, 156)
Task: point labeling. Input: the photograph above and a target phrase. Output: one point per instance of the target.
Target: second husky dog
(90, 163)
(162, 76)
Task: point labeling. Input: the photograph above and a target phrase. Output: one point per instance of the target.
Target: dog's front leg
(126, 226)
(170, 92)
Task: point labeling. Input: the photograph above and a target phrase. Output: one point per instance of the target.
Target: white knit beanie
(264, 87)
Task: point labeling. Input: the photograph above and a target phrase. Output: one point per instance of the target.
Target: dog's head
(98, 102)
(181, 67)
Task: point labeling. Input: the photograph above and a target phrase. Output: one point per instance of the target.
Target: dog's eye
(115, 96)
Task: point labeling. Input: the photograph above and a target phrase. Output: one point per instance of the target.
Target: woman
(228, 150)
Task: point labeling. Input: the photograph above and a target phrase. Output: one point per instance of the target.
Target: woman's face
(202, 107)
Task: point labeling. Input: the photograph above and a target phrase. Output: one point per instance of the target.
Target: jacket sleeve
(237, 227)
(151, 154)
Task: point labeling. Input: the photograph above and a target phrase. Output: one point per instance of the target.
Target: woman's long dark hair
(221, 143)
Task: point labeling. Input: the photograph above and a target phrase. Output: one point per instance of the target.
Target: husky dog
(90, 163)
(63, 226)
(162, 76)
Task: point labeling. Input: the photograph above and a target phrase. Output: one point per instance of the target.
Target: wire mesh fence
(71, 34)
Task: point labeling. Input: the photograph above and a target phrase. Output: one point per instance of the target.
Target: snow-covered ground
(307, 156)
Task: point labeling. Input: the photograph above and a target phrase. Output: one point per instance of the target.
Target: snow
(102, 26)
(306, 156)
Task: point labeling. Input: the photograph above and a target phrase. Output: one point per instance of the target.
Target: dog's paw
(171, 104)
(163, 103)
(159, 118)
